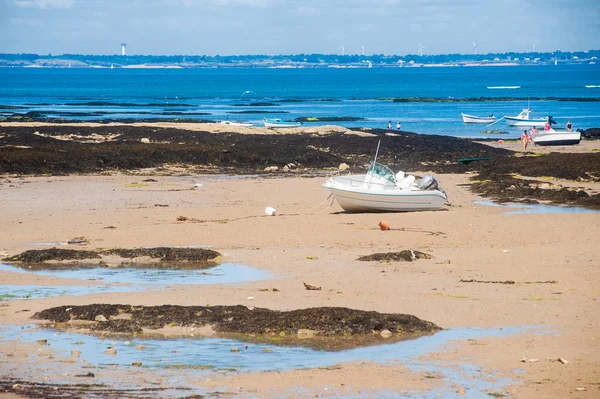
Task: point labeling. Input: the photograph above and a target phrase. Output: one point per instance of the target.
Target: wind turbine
(474, 48)
(341, 48)
(421, 49)
(534, 47)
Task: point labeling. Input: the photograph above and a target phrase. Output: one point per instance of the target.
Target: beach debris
(111, 351)
(145, 140)
(110, 227)
(526, 360)
(88, 375)
(580, 389)
(271, 169)
(250, 298)
(563, 361)
(385, 333)
(161, 205)
(78, 240)
(383, 225)
(461, 391)
(197, 185)
(269, 289)
(508, 282)
(270, 211)
(100, 318)
(311, 287)
(343, 166)
(140, 347)
(139, 364)
(406, 255)
(235, 349)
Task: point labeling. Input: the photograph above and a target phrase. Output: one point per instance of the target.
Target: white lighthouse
(123, 45)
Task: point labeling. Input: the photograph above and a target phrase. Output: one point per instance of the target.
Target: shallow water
(136, 278)
(522, 209)
(196, 357)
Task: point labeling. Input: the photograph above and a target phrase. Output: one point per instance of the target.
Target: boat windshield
(382, 171)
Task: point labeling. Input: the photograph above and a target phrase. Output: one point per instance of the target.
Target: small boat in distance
(276, 122)
(556, 137)
(523, 119)
(503, 87)
(478, 119)
(243, 124)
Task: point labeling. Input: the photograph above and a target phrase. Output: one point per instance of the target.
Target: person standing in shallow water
(390, 125)
(569, 126)
(398, 125)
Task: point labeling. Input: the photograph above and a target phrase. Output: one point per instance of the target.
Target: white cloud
(44, 3)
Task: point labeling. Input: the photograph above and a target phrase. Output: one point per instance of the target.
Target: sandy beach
(549, 317)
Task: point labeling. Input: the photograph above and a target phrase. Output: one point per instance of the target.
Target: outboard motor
(428, 182)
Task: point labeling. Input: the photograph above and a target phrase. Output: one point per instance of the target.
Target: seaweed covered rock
(322, 321)
(406, 255)
(163, 254)
(52, 254)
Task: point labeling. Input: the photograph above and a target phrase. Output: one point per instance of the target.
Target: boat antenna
(377, 151)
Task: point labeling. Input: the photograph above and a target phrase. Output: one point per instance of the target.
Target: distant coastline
(297, 60)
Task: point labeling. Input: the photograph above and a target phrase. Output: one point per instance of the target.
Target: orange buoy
(383, 225)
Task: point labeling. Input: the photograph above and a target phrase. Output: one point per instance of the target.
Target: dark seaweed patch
(405, 255)
(323, 321)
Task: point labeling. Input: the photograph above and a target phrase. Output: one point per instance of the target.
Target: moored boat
(276, 122)
(380, 190)
(478, 119)
(523, 119)
(244, 124)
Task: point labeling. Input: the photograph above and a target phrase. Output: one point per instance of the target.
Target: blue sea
(233, 94)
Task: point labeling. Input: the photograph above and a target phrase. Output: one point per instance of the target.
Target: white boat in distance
(382, 191)
(478, 119)
(244, 124)
(503, 87)
(523, 119)
(280, 123)
(556, 137)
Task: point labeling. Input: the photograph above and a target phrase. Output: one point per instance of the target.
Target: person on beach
(390, 125)
(525, 140)
(547, 126)
(398, 125)
(533, 130)
(569, 126)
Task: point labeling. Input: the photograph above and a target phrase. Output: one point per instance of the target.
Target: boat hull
(282, 124)
(356, 196)
(478, 119)
(512, 121)
(556, 138)
(242, 124)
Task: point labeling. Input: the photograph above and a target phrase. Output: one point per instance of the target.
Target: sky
(273, 27)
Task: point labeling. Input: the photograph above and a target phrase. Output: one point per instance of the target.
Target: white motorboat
(244, 124)
(523, 119)
(556, 137)
(280, 123)
(478, 119)
(380, 190)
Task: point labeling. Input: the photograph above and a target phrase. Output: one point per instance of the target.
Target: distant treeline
(293, 59)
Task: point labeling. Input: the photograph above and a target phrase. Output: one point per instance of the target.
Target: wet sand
(311, 240)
